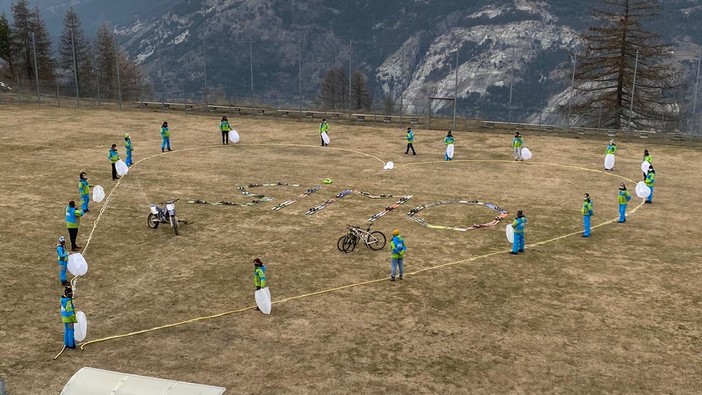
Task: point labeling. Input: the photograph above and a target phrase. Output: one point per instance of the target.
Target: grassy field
(619, 312)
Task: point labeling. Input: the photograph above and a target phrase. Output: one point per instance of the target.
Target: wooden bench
(643, 134)
(285, 113)
(185, 106)
(223, 108)
(145, 104)
(487, 125)
(387, 119)
(359, 117)
(414, 120)
(260, 111)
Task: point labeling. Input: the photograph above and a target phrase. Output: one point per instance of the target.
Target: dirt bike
(163, 215)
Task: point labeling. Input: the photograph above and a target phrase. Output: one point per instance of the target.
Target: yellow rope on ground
(343, 287)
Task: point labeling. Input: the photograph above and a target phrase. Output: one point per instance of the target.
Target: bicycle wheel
(376, 240)
(340, 243)
(349, 243)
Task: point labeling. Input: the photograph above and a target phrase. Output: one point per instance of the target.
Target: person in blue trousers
(398, 248)
(84, 189)
(624, 197)
(650, 182)
(62, 260)
(448, 140)
(68, 316)
(129, 148)
(587, 212)
(165, 137)
(519, 226)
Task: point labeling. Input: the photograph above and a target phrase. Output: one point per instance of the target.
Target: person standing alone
(165, 137)
(62, 260)
(410, 139)
(587, 212)
(448, 140)
(519, 224)
(323, 128)
(68, 316)
(113, 157)
(624, 197)
(225, 128)
(84, 189)
(398, 248)
(72, 223)
(128, 148)
(259, 274)
(517, 144)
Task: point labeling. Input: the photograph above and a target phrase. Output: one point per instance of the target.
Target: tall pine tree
(105, 61)
(334, 89)
(360, 98)
(30, 35)
(6, 42)
(619, 48)
(42, 42)
(74, 43)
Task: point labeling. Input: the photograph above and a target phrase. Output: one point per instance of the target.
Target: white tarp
(389, 166)
(526, 154)
(450, 150)
(80, 329)
(233, 136)
(121, 168)
(509, 232)
(98, 194)
(325, 138)
(609, 161)
(91, 381)
(263, 300)
(77, 265)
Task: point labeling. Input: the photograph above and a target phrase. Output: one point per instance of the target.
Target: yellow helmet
(395, 232)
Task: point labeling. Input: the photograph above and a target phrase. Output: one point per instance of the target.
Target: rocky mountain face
(512, 57)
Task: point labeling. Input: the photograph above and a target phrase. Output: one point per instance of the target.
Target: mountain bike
(375, 240)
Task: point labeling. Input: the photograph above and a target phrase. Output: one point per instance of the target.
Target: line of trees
(334, 91)
(88, 68)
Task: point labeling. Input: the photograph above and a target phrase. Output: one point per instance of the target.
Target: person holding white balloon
(519, 224)
(84, 189)
(62, 260)
(611, 150)
(587, 212)
(259, 275)
(113, 157)
(650, 182)
(225, 128)
(323, 128)
(68, 316)
(647, 158)
(624, 197)
(448, 140)
(517, 144)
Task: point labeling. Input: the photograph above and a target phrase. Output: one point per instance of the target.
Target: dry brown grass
(619, 312)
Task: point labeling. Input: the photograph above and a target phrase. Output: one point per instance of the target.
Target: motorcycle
(163, 215)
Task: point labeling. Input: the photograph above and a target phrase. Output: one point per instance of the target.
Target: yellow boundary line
(343, 287)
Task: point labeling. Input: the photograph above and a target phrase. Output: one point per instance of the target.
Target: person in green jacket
(84, 189)
(610, 150)
(647, 158)
(410, 139)
(323, 128)
(128, 147)
(68, 316)
(448, 140)
(650, 182)
(62, 260)
(517, 144)
(113, 157)
(165, 137)
(72, 223)
(587, 212)
(225, 128)
(519, 226)
(623, 198)
(398, 248)
(259, 274)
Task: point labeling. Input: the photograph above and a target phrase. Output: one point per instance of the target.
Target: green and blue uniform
(165, 138)
(519, 226)
(650, 182)
(624, 197)
(517, 144)
(323, 128)
(68, 316)
(611, 149)
(84, 189)
(225, 128)
(587, 212)
(410, 139)
(398, 248)
(129, 148)
(259, 276)
(62, 261)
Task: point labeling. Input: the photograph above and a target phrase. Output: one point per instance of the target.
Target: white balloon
(509, 231)
(644, 166)
(526, 154)
(263, 300)
(98, 194)
(233, 136)
(80, 328)
(121, 167)
(389, 166)
(77, 264)
(642, 190)
(325, 137)
(609, 161)
(449, 151)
